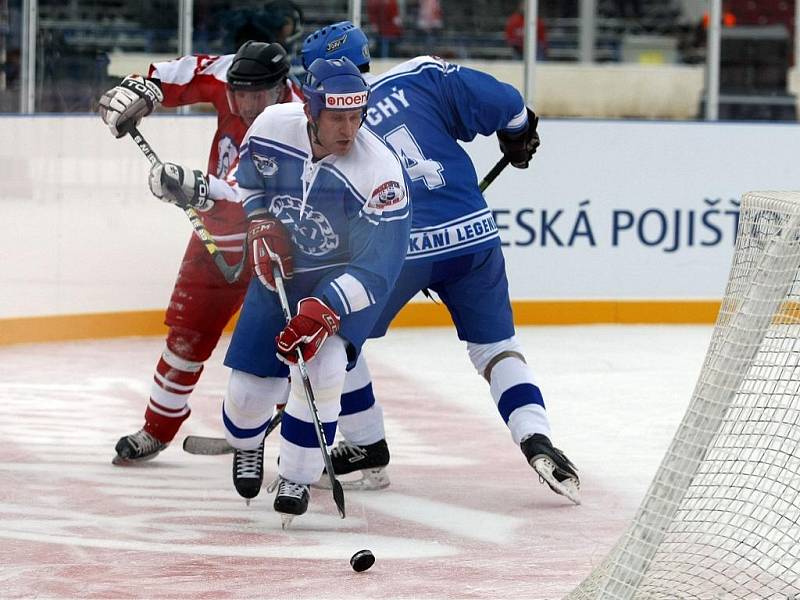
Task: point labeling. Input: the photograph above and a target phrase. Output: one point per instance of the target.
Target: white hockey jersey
(351, 211)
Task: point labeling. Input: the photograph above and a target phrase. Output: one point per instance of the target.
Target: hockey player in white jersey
(422, 108)
(328, 198)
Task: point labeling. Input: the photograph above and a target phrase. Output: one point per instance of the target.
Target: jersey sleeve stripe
(250, 200)
(342, 297)
(182, 71)
(353, 292)
(519, 121)
(399, 217)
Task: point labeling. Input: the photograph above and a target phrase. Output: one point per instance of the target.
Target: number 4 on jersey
(415, 163)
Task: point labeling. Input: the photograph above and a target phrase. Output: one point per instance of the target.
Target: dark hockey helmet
(335, 84)
(277, 21)
(290, 31)
(258, 66)
(339, 40)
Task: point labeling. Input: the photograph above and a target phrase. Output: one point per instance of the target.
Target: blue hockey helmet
(342, 39)
(335, 84)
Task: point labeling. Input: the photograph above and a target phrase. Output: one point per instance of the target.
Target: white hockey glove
(125, 105)
(182, 187)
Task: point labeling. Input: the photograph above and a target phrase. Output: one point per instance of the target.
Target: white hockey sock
(248, 407)
(518, 399)
(361, 417)
(301, 459)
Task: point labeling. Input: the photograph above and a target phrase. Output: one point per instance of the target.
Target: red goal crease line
(526, 312)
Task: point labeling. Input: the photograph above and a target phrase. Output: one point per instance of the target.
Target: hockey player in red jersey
(239, 86)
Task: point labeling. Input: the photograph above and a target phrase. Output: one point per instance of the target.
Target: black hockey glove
(182, 187)
(520, 148)
(125, 105)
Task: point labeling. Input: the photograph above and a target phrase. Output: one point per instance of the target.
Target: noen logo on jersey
(266, 165)
(345, 101)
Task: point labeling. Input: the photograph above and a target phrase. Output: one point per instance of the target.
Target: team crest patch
(313, 233)
(334, 45)
(387, 196)
(266, 165)
(228, 152)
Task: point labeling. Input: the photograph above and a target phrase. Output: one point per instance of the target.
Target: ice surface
(465, 516)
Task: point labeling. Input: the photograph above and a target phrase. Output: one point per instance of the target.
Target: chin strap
(313, 128)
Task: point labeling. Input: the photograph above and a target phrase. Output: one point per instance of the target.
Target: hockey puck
(362, 560)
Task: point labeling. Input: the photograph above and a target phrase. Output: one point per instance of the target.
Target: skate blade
(371, 479)
(121, 461)
(286, 520)
(569, 488)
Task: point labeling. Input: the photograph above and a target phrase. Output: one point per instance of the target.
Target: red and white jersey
(202, 78)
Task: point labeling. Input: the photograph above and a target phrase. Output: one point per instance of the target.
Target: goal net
(721, 519)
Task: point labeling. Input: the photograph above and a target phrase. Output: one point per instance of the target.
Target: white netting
(721, 519)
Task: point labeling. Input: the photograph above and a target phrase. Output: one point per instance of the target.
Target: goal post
(721, 518)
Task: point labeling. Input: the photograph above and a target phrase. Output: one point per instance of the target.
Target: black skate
(137, 447)
(370, 459)
(248, 472)
(553, 467)
(291, 499)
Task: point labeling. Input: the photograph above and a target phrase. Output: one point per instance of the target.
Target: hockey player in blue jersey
(329, 199)
(422, 108)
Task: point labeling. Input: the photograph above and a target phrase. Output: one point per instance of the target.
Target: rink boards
(615, 221)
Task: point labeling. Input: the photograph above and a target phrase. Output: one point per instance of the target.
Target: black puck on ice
(362, 560)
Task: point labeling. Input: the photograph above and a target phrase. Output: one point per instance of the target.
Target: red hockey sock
(173, 382)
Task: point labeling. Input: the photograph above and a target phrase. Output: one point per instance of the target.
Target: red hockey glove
(520, 148)
(268, 240)
(307, 330)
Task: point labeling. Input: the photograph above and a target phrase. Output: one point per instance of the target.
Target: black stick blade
(338, 495)
(206, 446)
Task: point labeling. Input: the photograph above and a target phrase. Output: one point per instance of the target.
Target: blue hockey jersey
(421, 108)
(348, 212)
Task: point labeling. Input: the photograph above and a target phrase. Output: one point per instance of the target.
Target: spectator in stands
(385, 17)
(277, 21)
(728, 19)
(429, 19)
(701, 30)
(515, 33)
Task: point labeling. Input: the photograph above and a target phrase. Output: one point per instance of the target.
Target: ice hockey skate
(248, 472)
(553, 467)
(137, 447)
(371, 460)
(291, 499)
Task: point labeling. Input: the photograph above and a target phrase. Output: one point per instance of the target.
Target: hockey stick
(230, 273)
(336, 487)
(216, 446)
(492, 175)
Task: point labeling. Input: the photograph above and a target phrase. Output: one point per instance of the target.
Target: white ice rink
(465, 517)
